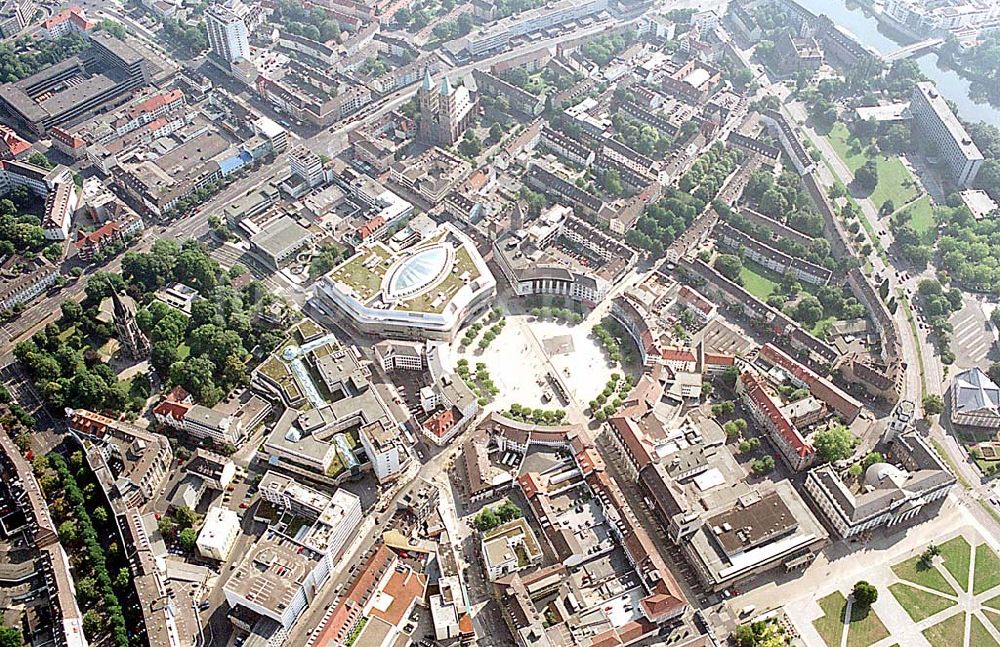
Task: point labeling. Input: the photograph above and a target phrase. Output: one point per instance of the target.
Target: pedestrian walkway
(905, 618)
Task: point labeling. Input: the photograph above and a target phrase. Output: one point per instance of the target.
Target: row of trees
(536, 415)
(610, 399)
(104, 613)
(666, 219)
(784, 200)
(490, 518)
(480, 383)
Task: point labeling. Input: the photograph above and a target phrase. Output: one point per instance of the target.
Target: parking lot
(973, 337)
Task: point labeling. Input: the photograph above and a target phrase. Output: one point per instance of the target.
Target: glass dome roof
(416, 272)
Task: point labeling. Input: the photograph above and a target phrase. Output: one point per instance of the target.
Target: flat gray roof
(280, 236)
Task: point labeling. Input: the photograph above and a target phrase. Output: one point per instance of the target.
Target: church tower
(130, 336)
(428, 108)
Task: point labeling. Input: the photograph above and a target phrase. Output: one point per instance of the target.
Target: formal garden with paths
(946, 595)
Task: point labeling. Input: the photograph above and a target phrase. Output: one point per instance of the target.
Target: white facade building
(935, 120)
(218, 534)
(228, 36)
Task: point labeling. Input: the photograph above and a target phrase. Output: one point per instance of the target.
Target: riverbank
(864, 24)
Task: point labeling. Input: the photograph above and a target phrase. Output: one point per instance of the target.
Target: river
(863, 24)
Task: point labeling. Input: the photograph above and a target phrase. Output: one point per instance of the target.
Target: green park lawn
(956, 554)
(987, 571)
(894, 180)
(921, 217)
(948, 632)
(994, 618)
(865, 628)
(919, 604)
(979, 635)
(928, 576)
(756, 280)
(831, 625)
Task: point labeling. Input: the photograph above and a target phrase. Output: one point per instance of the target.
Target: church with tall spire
(446, 111)
(122, 311)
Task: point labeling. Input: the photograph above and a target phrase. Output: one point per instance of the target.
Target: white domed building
(424, 291)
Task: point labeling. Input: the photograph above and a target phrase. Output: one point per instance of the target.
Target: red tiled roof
(763, 402)
(820, 387)
(477, 181)
(70, 139)
(440, 423)
(719, 359)
(465, 624)
(607, 639)
(368, 229)
(14, 143)
(693, 297)
(528, 484)
(74, 14)
(155, 102)
(175, 410)
(99, 234)
(353, 602)
(678, 355)
(629, 434)
(403, 587)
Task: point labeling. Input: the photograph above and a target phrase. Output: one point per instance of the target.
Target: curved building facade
(425, 291)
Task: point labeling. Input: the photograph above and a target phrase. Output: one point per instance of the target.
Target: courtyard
(945, 597)
(527, 350)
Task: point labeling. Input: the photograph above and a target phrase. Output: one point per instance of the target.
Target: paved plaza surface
(528, 348)
(951, 601)
(973, 337)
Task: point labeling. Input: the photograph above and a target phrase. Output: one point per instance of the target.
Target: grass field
(987, 570)
(948, 632)
(957, 553)
(831, 626)
(919, 604)
(979, 636)
(921, 218)
(755, 280)
(994, 618)
(865, 628)
(894, 180)
(912, 571)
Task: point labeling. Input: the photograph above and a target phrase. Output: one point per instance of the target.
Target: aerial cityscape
(499, 323)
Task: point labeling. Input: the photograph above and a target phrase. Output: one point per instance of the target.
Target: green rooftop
(365, 272)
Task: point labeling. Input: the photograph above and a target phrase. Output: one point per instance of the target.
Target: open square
(529, 351)
(945, 597)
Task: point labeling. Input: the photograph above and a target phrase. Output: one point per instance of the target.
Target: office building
(509, 548)
(893, 492)
(99, 78)
(228, 36)
(218, 534)
(936, 122)
(277, 578)
(335, 518)
(279, 241)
